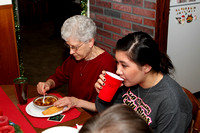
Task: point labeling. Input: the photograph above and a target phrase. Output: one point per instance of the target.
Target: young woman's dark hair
(142, 49)
(118, 118)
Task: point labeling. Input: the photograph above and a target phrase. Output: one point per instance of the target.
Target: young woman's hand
(100, 82)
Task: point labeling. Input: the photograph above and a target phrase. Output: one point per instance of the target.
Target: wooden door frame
(9, 67)
(161, 27)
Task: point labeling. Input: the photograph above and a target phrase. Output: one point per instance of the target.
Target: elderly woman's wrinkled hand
(69, 102)
(42, 87)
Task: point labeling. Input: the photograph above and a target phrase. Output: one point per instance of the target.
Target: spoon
(43, 100)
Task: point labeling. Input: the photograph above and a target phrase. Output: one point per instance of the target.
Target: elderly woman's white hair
(78, 27)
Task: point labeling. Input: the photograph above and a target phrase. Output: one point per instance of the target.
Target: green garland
(84, 7)
(17, 32)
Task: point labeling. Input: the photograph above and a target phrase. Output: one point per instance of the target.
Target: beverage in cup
(112, 83)
(21, 86)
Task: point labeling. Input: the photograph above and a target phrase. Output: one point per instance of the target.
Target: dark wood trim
(161, 28)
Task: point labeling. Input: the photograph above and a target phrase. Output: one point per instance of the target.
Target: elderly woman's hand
(42, 87)
(100, 82)
(69, 102)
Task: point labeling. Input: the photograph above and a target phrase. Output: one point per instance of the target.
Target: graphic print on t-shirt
(138, 105)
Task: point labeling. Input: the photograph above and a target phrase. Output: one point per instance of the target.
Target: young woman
(148, 88)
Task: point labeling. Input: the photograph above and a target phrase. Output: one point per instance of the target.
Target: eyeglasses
(75, 48)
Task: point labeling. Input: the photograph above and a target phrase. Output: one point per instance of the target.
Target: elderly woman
(82, 68)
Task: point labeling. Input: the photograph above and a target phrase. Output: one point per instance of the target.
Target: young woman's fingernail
(104, 79)
(103, 84)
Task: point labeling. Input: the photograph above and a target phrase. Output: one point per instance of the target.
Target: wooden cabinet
(9, 63)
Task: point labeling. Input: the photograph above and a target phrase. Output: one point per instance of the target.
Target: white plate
(36, 112)
(61, 129)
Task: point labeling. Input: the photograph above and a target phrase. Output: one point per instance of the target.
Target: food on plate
(52, 110)
(48, 101)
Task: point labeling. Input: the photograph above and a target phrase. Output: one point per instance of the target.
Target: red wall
(117, 18)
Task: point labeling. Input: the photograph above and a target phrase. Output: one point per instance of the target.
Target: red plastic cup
(112, 83)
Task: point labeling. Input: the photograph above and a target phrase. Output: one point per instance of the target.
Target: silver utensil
(43, 100)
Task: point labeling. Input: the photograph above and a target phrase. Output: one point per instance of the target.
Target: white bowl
(49, 100)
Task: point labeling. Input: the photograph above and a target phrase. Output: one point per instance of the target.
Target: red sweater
(83, 86)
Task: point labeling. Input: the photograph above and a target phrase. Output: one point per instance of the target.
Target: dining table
(22, 119)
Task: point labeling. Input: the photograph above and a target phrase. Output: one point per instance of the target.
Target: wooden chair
(195, 124)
